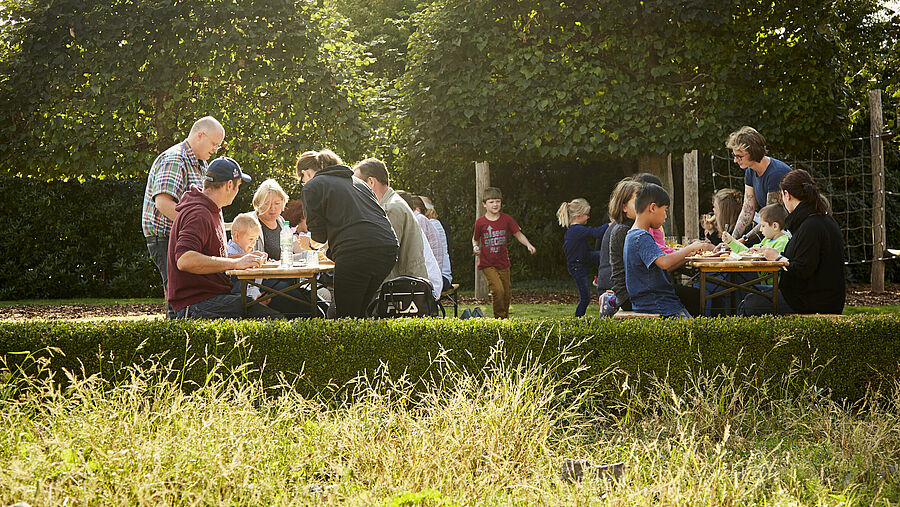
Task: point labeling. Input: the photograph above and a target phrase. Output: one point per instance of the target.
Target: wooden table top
(724, 264)
(274, 270)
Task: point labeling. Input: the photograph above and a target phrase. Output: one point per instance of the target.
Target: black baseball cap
(225, 169)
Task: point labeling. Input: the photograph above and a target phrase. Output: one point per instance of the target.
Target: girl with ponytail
(580, 257)
(813, 280)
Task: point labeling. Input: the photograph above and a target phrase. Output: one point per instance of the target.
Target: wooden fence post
(691, 197)
(482, 181)
(877, 127)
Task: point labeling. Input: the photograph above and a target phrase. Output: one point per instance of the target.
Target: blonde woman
(268, 203)
(580, 257)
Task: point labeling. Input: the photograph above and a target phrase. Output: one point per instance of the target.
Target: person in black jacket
(813, 281)
(344, 211)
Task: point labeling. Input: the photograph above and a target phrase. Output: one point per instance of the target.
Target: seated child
(244, 232)
(657, 232)
(771, 225)
(648, 286)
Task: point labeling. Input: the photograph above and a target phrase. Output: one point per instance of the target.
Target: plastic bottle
(608, 304)
(287, 246)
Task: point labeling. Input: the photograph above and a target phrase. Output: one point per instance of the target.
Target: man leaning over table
(171, 175)
(197, 256)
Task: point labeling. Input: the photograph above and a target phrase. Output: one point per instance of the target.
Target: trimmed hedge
(859, 351)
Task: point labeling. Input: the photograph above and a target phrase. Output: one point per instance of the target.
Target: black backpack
(404, 296)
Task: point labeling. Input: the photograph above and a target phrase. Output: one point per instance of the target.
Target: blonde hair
(244, 222)
(431, 214)
(569, 210)
(728, 203)
(316, 160)
(623, 193)
(266, 189)
(749, 140)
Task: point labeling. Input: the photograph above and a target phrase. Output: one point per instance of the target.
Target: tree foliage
(556, 80)
(97, 87)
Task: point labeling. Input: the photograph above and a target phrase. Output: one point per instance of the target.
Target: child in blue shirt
(244, 231)
(645, 263)
(580, 257)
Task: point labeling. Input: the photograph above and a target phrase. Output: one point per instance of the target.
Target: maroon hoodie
(198, 227)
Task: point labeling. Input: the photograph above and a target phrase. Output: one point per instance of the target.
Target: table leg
(244, 298)
(775, 291)
(313, 297)
(703, 293)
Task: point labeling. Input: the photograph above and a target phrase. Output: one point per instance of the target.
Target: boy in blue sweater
(646, 265)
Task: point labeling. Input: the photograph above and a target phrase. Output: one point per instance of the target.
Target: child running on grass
(580, 257)
(492, 231)
(648, 286)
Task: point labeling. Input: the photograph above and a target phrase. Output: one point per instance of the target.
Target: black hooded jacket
(344, 211)
(814, 281)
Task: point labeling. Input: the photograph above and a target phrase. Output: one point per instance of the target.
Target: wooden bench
(452, 296)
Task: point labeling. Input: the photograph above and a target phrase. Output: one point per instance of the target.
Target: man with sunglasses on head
(171, 175)
(762, 175)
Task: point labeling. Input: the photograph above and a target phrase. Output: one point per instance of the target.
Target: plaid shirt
(173, 172)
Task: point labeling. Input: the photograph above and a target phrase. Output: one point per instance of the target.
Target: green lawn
(521, 311)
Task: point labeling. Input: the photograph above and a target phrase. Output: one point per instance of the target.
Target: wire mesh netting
(844, 175)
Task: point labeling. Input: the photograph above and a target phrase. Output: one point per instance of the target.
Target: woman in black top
(813, 281)
(343, 211)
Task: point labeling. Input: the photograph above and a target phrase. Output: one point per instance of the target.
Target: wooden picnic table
(305, 275)
(708, 265)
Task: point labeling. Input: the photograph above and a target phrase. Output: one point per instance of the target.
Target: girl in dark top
(621, 210)
(813, 281)
(577, 246)
(344, 211)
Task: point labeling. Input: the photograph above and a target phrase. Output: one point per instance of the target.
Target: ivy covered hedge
(845, 355)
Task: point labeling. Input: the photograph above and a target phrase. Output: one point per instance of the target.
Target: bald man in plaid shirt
(171, 175)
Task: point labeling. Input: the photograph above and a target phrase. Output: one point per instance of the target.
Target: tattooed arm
(746, 216)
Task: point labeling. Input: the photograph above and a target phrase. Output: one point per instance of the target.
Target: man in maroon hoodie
(198, 259)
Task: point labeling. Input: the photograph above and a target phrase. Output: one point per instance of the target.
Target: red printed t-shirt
(198, 227)
(492, 237)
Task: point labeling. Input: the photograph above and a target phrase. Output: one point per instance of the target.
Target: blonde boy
(492, 231)
(244, 231)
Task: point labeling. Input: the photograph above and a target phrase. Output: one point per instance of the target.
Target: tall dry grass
(493, 436)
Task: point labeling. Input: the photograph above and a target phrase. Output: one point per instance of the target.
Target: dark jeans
(158, 246)
(581, 273)
(721, 305)
(357, 276)
(290, 308)
(690, 298)
(754, 304)
(582, 278)
(226, 306)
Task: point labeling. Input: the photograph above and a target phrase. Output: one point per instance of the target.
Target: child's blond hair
(728, 202)
(243, 223)
(571, 209)
(491, 193)
(623, 193)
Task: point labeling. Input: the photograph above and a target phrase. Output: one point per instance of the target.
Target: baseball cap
(225, 169)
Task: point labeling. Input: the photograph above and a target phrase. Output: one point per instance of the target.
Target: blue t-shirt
(648, 286)
(576, 244)
(770, 181)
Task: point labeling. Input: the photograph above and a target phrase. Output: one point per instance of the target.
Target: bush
(846, 355)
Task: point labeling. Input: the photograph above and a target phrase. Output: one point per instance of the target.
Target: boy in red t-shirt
(489, 241)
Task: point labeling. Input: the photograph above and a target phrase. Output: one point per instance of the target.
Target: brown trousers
(498, 280)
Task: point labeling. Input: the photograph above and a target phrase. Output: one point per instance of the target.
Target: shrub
(846, 355)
